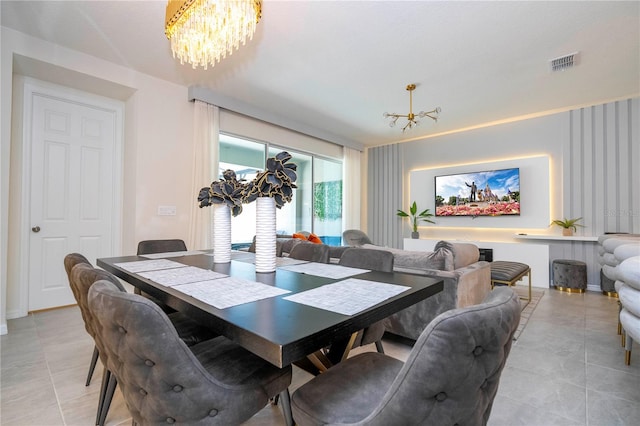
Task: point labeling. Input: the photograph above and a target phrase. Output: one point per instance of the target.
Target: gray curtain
(384, 194)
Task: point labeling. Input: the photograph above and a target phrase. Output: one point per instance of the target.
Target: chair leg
(379, 347)
(106, 376)
(111, 389)
(627, 350)
(92, 366)
(285, 398)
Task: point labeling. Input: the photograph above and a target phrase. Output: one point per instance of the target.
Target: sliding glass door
(317, 202)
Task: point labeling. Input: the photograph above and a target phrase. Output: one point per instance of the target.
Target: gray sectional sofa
(467, 281)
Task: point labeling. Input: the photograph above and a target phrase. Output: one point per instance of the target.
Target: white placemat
(326, 270)
(226, 292)
(348, 296)
(177, 276)
(149, 265)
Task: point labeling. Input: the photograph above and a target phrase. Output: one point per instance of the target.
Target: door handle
(36, 229)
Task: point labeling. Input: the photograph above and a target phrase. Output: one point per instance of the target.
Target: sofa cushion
(440, 259)
(288, 243)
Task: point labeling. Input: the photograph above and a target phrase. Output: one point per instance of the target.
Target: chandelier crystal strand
(203, 32)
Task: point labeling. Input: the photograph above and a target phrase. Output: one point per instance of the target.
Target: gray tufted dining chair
(81, 278)
(451, 375)
(310, 252)
(375, 260)
(71, 260)
(164, 381)
(161, 246)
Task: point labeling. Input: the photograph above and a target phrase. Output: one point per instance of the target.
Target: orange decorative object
(314, 239)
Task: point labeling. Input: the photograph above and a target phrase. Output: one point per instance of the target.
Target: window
(317, 202)
(327, 200)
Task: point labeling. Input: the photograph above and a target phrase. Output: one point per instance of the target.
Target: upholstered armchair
(608, 243)
(451, 375)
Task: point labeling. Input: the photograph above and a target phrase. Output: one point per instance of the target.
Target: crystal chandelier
(202, 32)
(411, 117)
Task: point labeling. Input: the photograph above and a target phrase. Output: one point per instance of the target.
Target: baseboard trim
(594, 287)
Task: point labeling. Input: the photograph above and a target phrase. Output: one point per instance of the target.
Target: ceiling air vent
(564, 62)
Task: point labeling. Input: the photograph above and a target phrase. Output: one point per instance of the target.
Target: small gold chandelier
(411, 117)
(202, 32)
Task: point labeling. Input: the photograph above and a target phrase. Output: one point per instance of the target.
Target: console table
(535, 255)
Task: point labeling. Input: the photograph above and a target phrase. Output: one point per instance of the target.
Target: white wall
(536, 137)
(534, 193)
(593, 156)
(158, 144)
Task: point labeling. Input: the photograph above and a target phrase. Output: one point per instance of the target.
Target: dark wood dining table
(278, 330)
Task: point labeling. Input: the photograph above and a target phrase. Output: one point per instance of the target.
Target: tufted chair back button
(441, 397)
(177, 388)
(142, 392)
(122, 330)
(149, 363)
(213, 413)
(477, 351)
(171, 420)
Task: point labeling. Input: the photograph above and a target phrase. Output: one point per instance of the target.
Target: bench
(504, 272)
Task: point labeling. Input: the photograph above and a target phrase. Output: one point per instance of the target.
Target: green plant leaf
(413, 209)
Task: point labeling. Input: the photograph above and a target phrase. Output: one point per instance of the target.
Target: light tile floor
(567, 368)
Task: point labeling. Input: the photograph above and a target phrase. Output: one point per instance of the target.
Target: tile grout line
(46, 360)
(585, 358)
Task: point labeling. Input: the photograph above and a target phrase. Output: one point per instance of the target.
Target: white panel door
(71, 194)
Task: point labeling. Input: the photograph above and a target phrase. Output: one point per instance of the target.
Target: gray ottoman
(570, 275)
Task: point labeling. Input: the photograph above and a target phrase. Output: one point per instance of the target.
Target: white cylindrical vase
(265, 234)
(221, 233)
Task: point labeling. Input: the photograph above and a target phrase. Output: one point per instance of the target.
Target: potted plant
(569, 226)
(415, 217)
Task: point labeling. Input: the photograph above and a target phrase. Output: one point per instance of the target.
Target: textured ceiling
(338, 66)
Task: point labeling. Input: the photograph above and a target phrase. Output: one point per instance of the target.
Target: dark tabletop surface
(275, 329)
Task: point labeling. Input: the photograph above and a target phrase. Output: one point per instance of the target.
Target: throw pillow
(299, 236)
(314, 239)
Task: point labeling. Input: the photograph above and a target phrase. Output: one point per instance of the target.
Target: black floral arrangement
(229, 191)
(277, 181)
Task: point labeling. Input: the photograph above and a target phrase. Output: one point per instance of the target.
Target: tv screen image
(486, 193)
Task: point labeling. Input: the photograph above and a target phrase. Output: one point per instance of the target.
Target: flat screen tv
(486, 193)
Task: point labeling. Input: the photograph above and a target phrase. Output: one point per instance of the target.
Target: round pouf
(570, 275)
